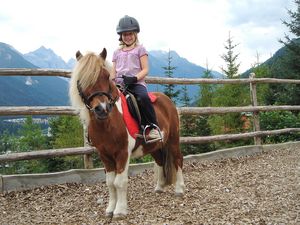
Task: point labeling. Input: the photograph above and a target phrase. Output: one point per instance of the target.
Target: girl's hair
(122, 44)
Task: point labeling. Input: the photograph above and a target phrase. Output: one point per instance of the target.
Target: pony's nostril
(100, 112)
(98, 109)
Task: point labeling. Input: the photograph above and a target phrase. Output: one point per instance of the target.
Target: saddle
(133, 119)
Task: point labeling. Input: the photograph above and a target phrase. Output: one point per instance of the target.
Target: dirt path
(263, 189)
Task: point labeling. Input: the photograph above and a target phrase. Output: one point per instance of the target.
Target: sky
(196, 29)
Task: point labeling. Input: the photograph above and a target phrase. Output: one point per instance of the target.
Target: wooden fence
(87, 150)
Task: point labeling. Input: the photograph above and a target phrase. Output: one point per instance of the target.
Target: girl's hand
(129, 80)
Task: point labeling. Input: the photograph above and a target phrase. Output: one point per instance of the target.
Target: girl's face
(129, 38)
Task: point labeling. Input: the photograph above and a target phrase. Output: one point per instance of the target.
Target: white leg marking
(121, 183)
(110, 178)
(121, 180)
(179, 185)
(160, 184)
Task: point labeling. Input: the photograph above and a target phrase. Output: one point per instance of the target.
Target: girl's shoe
(154, 134)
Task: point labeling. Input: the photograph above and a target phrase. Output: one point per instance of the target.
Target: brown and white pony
(96, 98)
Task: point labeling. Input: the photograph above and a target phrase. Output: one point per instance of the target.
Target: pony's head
(90, 86)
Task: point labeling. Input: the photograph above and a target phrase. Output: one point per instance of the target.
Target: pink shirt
(128, 63)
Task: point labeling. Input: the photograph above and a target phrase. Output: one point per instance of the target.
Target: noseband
(87, 100)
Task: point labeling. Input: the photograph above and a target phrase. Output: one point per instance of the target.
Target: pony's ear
(103, 54)
(78, 55)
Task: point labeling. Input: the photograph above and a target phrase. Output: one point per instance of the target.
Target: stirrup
(152, 140)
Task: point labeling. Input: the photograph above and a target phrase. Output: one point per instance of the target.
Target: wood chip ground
(262, 189)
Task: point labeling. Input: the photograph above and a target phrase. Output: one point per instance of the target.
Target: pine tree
(288, 67)
(169, 89)
(66, 131)
(186, 121)
(229, 95)
(294, 28)
(206, 91)
(32, 137)
(231, 59)
(8, 143)
(205, 100)
(191, 125)
(260, 71)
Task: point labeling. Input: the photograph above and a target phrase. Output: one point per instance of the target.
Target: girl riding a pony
(129, 69)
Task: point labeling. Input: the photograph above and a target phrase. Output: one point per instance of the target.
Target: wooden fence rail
(41, 154)
(66, 110)
(151, 80)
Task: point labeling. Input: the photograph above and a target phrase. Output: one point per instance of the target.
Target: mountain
(279, 55)
(46, 58)
(184, 69)
(42, 91)
(26, 90)
(11, 58)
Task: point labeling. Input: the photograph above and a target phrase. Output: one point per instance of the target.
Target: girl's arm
(113, 71)
(145, 68)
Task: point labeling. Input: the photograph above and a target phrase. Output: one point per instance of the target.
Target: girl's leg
(145, 105)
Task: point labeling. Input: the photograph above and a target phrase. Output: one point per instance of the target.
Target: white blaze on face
(103, 105)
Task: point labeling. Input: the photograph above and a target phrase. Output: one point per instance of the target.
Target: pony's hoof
(158, 191)
(119, 216)
(109, 214)
(179, 195)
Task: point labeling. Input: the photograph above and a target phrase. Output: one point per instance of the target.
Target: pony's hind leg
(159, 174)
(159, 178)
(176, 159)
(179, 185)
(110, 179)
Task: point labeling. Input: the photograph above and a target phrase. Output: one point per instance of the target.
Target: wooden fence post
(88, 159)
(1, 184)
(253, 93)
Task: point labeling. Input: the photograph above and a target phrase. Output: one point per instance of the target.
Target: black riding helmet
(128, 23)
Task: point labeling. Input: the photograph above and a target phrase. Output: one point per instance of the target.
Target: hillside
(184, 69)
(35, 90)
(28, 91)
(275, 60)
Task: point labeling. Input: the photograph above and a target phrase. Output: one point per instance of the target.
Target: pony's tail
(168, 166)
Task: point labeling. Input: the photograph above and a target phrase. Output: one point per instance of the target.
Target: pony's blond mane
(86, 72)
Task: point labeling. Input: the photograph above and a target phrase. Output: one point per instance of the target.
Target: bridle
(87, 100)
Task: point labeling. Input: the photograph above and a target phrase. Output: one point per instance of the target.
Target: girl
(130, 67)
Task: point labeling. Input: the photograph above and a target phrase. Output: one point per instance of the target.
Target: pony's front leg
(110, 179)
(121, 183)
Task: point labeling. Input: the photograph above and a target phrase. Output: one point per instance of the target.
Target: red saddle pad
(130, 122)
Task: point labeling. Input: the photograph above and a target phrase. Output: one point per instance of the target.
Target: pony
(96, 99)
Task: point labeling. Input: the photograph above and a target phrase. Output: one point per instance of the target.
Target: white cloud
(196, 29)
(258, 13)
